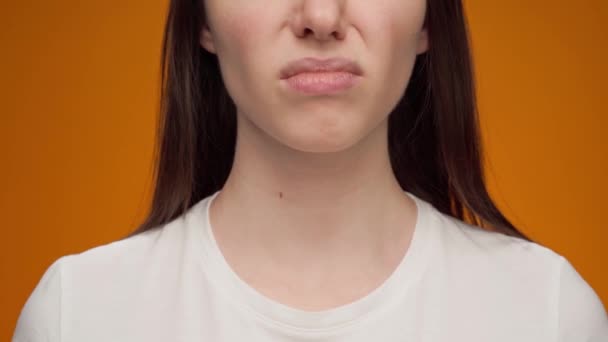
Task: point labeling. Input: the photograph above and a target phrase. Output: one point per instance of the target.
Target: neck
(295, 205)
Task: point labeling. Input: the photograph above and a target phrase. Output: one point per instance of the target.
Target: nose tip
(321, 19)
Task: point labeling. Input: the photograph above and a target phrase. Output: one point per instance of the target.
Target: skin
(311, 214)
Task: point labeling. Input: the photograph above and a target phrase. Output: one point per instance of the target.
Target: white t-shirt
(456, 283)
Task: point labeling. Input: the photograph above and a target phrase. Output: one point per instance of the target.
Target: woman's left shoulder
(475, 259)
(471, 242)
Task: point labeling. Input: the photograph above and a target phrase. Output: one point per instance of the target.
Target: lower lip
(322, 83)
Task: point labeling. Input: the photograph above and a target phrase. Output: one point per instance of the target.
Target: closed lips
(314, 65)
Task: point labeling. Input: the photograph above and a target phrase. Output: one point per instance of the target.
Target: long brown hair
(434, 139)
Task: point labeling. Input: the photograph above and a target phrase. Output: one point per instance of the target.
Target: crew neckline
(295, 320)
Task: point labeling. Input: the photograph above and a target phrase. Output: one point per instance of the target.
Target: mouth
(319, 83)
(318, 77)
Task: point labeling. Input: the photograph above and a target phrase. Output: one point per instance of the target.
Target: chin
(320, 142)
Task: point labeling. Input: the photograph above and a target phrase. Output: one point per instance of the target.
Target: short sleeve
(582, 316)
(40, 317)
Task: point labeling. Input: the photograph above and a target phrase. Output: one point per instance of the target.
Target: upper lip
(311, 64)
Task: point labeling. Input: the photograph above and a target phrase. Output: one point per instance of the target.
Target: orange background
(79, 97)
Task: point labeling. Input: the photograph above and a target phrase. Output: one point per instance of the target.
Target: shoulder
(39, 319)
(96, 281)
(475, 246)
(125, 265)
(581, 314)
(493, 264)
(128, 258)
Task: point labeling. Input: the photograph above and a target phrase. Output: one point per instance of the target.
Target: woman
(317, 162)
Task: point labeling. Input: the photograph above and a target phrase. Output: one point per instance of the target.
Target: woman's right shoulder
(128, 254)
(97, 279)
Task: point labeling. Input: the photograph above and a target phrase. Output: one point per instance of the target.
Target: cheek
(395, 26)
(399, 28)
(240, 44)
(235, 34)
(239, 26)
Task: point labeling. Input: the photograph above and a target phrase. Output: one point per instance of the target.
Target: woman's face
(255, 39)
